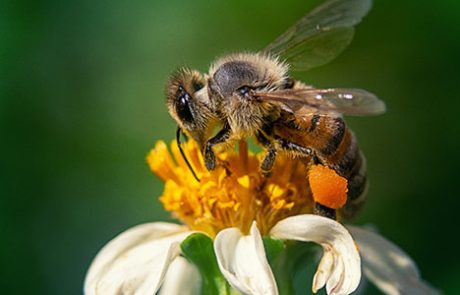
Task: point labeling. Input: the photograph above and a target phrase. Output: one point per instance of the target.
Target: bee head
(187, 102)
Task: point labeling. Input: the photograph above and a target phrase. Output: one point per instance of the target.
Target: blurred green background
(81, 103)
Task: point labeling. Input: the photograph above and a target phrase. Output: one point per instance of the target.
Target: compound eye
(183, 100)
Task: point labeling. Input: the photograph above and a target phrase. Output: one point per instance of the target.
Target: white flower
(136, 261)
(142, 259)
(340, 266)
(235, 206)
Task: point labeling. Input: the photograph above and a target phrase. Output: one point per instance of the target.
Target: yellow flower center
(235, 193)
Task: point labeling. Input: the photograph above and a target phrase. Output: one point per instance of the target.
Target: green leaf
(273, 248)
(288, 259)
(198, 249)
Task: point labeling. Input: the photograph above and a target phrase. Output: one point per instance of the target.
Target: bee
(252, 94)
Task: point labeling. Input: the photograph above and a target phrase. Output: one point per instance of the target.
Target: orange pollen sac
(328, 188)
(234, 194)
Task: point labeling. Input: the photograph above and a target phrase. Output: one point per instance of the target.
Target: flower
(236, 206)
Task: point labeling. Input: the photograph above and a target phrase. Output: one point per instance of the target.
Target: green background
(81, 103)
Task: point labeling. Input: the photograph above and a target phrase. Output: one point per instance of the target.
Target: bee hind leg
(318, 208)
(291, 146)
(324, 211)
(269, 160)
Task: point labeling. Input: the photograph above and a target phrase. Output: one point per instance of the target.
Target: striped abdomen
(334, 145)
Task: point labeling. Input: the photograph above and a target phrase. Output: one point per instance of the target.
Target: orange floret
(328, 188)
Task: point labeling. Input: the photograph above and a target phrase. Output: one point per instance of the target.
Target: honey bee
(252, 94)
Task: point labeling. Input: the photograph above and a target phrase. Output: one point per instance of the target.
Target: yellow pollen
(235, 193)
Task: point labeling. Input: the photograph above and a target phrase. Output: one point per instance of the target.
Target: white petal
(136, 261)
(387, 266)
(340, 266)
(324, 271)
(182, 278)
(243, 263)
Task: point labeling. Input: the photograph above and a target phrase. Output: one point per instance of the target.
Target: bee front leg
(209, 156)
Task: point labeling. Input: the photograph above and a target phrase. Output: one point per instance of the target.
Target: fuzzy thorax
(228, 79)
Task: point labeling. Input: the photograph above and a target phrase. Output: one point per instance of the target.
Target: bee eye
(183, 105)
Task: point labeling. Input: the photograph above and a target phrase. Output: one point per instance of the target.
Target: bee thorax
(251, 70)
(247, 117)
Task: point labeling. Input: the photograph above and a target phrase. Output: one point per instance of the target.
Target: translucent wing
(356, 102)
(321, 35)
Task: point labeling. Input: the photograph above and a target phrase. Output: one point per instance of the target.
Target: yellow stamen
(235, 193)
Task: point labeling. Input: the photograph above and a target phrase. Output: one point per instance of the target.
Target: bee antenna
(178, 134)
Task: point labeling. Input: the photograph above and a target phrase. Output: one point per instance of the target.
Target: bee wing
(321, 35)
(356, 102)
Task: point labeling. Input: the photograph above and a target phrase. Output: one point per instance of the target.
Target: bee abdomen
(349, 162)
(354, 165)
(334, 146)
(357, 192)
(336, 139)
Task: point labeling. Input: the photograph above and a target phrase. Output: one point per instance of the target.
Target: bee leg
(318, 209)
(325, 211)
(209, 156)
(290, 146)
(268, 161)
(270, 156)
